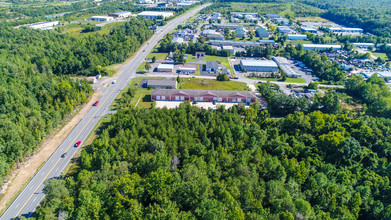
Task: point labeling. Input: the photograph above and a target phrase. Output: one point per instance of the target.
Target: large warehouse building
(121, 14)
(155, 14)
(43, 25)
(101, 18)
(259, 65)
(321, 47)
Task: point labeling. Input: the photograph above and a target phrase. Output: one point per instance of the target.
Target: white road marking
(35, 199)
(17, 205)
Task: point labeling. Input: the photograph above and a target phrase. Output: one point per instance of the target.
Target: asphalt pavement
(31, 195)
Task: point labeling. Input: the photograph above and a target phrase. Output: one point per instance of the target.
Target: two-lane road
(31, 195)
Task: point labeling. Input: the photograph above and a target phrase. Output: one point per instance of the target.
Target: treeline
(280, 104)
(372, 16)
(374, 93)
(167, 46)
(36, 93)
(191, 163)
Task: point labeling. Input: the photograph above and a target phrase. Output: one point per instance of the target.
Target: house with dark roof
(202, 95)
(212, 66)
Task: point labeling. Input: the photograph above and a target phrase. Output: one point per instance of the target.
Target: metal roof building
(321, 46)
(121, 14)
(259, 65)
(155, 14)
(178, 40)
(262, 33)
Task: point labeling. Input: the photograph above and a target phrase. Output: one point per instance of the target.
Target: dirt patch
(26, 170)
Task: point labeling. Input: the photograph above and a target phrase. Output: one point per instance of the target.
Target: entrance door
(239, 100)
(182, 98)
(201, 99)
(163, 98)
(158, 97)
(176, 98)
(233, 100)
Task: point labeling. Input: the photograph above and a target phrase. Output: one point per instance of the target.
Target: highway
(31, 195)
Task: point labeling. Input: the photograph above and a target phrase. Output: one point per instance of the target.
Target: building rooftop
(177, 40)
(269, 63)
(162, 82)
(165, 66)
(212, 64)
(267, 41)
(121, 13)
(240, 31)
(322, 45)
(218, 93)
(156, 13)
(297, 35)
(228, 48)
(234, 42)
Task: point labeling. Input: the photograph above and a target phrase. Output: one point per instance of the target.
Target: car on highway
(96, 103)
(114, 81)
(64, 155)
(143, 50)
(77, 143)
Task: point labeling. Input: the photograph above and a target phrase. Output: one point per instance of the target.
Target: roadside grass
(159, 56)
(223, 60)
(191, 58)
(141, 93)
(288, 80)
(141, 68)
(212, 84)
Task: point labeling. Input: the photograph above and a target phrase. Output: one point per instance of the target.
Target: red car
(77, 143)
(96, 103)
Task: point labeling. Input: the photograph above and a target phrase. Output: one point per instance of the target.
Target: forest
(237, 163)
(36, 91)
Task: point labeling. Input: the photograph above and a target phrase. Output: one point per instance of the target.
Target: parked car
(214, 102)
(77, 143)
(96, 103)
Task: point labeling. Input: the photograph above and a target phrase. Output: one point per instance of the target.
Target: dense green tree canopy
(191, 163)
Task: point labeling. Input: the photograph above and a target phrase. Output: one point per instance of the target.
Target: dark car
(77, 143)
(214, 102)
(64, 155)
(96, 103)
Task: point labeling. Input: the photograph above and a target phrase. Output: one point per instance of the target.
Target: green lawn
(299, 42)
(191, 58)
(159, 56)
(212, 84)
(288, 80)
(222, 60)
(142, 94)
(381, 55)
(141, 68)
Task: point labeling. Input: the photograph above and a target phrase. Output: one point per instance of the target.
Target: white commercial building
(121, 14)
(308, 29)
(146, 1)
(284, 65)
(178, 40)
(297, 37)
(346, 30)
(212, 34)
(386, 75)
(284, 29)
(259, 65)
(363, 45)
(101, 18)
(229, 48)
(186, 70)
(165, 67)
(43, 25)
(321, 46)
(155, 14)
